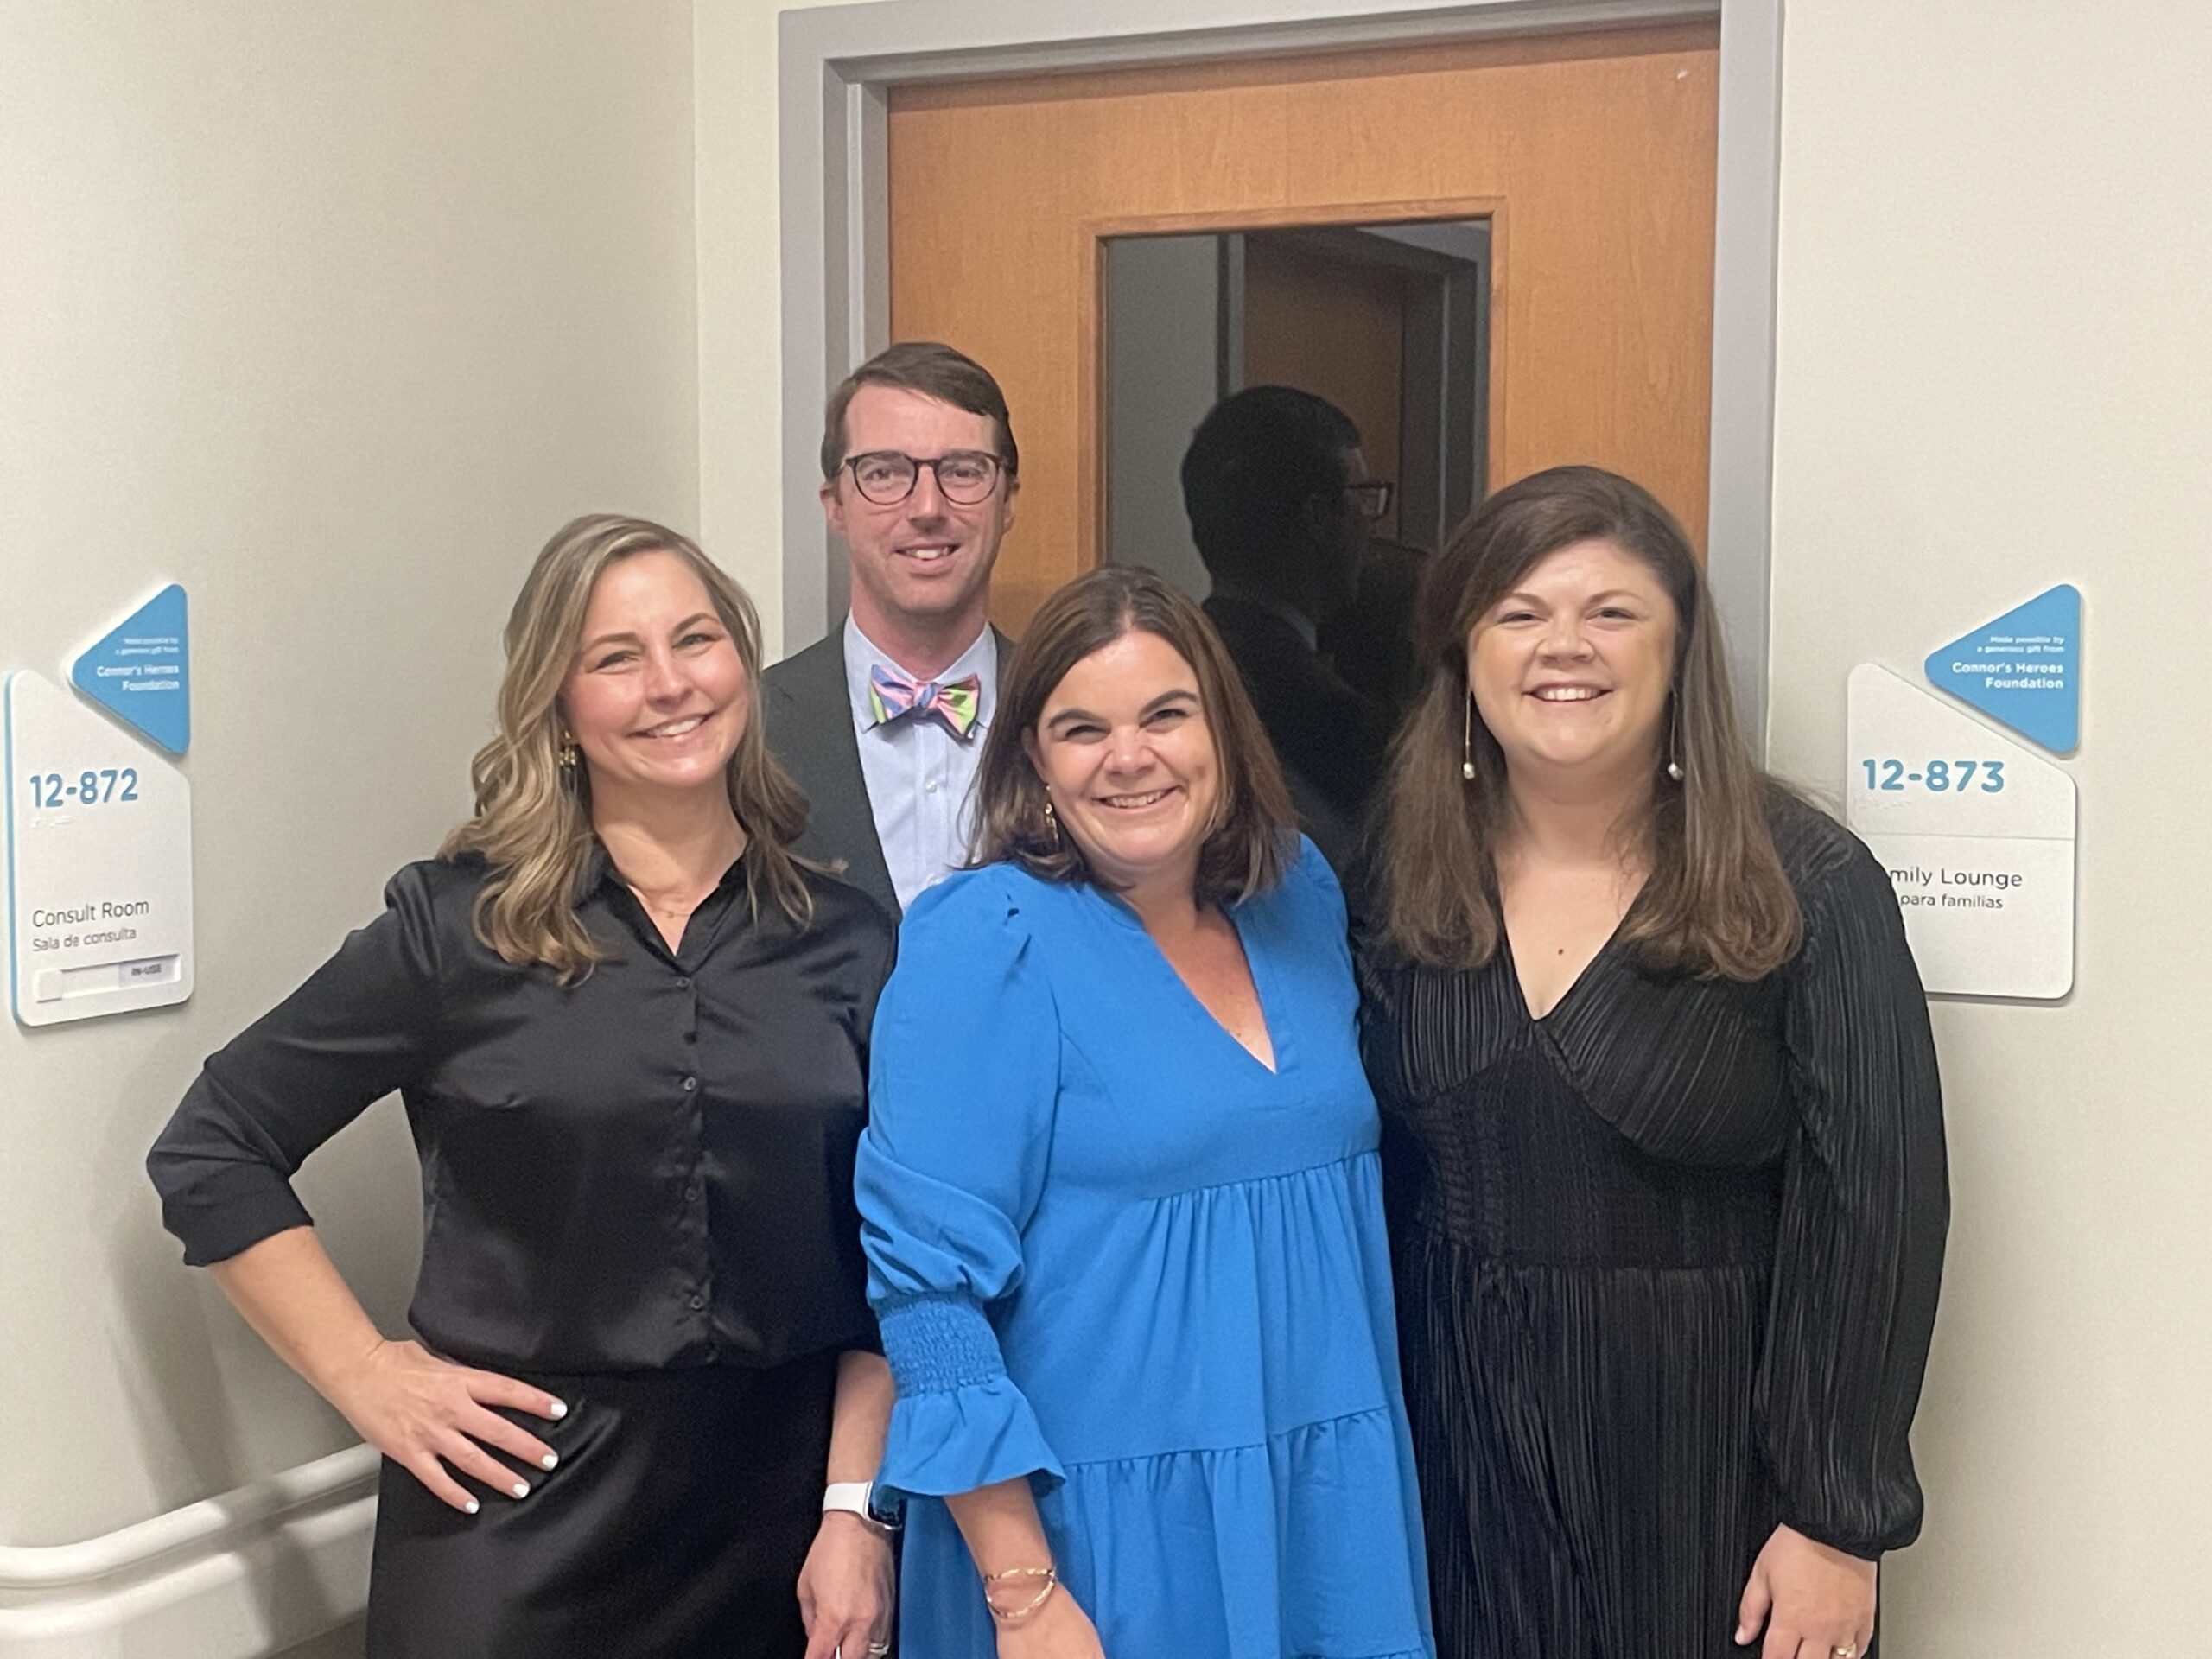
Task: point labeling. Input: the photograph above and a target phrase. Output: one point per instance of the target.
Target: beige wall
(1996, 339)
(740, 425)
(332, 313)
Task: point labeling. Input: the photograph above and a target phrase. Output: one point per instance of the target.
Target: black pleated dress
(1666, 1263)
(637, 1194)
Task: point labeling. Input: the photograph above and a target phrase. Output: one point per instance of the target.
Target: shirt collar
(599, 874)
(862, 653)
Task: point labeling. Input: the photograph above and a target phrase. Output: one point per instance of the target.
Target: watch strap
(855, 1498)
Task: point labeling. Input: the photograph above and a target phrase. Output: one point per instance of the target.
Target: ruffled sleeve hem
(960, 1422)
(975, 1435)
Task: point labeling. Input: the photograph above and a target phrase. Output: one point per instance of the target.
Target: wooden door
(1591, 154)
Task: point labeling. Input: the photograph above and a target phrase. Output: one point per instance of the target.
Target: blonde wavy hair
(532, 823)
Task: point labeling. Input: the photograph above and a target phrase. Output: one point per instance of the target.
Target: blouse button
(691, 1191)
(697, 1303)
(689, 1083)
(683, 983)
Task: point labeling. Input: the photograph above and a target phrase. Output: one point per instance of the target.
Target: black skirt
(674, 1527)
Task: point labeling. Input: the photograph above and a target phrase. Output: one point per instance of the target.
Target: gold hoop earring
(1467, 738)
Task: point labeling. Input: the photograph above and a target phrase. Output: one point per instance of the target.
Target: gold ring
(879, 1649)
(1843, 1653)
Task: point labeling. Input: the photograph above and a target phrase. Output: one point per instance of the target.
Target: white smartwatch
(858, 1497)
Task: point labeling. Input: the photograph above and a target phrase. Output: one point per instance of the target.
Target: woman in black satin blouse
(1663, 1134)
(631, 1030)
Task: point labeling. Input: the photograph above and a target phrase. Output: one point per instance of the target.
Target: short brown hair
(1249, 848)
(1717, 900)
(934, 370)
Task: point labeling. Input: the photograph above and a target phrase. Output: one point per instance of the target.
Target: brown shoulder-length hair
(1717, 900)
(532, 823)
(1247, 850)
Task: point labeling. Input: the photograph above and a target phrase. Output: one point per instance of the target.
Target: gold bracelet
(1049, 1575)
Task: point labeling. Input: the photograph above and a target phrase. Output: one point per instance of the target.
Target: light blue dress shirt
(920, 778)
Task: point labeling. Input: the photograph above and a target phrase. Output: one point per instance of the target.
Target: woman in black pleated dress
(629, 1030)
(1664, 1136)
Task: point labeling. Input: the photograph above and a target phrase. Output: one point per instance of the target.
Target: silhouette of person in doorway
(1280, 507)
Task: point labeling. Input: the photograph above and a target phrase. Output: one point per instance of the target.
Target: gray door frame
(836, 64)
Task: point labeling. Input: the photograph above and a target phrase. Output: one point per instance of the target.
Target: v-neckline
(1520, 986)
(1274, 1068)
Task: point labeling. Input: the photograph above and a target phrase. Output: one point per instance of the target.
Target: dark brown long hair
(1246, 850)
(532, 823)
(1717, 900)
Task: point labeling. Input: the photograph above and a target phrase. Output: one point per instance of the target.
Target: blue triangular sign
(142, 671)
(2023, 669)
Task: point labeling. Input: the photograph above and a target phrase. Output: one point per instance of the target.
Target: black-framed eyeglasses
(964, 477)
(1370, 498)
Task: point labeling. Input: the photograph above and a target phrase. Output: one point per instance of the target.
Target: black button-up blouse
(653, 1168)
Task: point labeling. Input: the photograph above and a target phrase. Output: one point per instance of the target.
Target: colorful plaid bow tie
(956, 702)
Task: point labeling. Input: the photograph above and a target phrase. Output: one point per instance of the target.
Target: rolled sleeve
(362, 1026)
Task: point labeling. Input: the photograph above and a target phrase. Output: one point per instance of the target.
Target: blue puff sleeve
(965, 1076)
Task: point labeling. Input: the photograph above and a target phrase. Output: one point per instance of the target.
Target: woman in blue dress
(1121, 1195)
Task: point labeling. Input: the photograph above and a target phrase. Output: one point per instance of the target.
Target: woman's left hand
(845, 1589)
(1814, 1602)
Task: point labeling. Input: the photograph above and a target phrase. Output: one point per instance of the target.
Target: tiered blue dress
(1112, 1252)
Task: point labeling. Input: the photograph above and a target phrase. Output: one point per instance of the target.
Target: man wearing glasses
(1280, 508)
(882, 722)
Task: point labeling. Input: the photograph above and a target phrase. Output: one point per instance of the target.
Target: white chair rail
(243, 1575)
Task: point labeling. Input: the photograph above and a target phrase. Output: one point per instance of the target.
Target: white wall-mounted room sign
(1977, 833)
(99, 862)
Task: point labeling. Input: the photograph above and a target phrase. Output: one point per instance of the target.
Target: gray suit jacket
(810, 730)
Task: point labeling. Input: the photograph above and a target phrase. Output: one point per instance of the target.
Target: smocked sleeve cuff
(959, 1421)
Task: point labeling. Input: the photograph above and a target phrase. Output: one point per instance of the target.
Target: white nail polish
(559, 1408)
(472, 1506)
(549, 1459)
(522, 1489)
